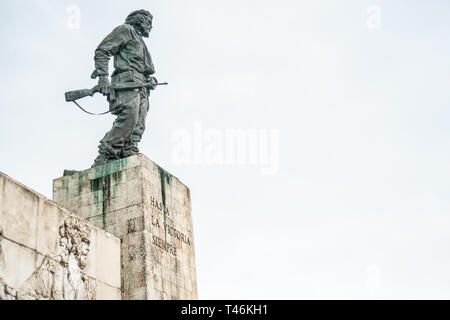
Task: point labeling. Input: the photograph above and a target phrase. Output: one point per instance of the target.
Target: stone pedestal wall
(150, 211)
(48, 253)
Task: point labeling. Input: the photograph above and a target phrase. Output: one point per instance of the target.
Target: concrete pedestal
(150, 211)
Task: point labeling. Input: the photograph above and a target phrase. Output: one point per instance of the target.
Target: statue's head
(141, 20)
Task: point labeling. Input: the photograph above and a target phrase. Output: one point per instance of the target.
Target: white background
(360, 205)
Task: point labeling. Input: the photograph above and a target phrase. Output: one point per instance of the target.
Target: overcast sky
(352, 101)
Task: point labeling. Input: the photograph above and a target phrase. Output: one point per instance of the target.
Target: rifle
(78, 94)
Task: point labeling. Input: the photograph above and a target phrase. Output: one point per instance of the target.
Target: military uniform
(132, 63)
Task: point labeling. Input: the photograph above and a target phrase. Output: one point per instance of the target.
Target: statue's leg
(126, 108)
(131, 145)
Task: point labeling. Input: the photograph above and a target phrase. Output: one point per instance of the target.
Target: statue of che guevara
(132, 63)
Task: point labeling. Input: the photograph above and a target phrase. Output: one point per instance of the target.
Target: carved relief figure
(62, 276)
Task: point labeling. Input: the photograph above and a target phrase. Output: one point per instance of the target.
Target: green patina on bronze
(79, 176)
(110, 168)
(165, 178)
(106, 182)
(65, 185)
(102, 185)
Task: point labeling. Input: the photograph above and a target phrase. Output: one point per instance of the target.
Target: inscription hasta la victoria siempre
(172, 231)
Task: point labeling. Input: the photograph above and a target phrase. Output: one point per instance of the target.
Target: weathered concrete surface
(48, 253)
(150, 210)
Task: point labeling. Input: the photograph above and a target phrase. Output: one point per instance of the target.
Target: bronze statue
(130, 86)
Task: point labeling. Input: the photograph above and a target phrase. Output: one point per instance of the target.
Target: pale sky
(358, 91)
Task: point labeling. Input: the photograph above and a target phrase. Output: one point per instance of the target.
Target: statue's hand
(154, 83)
(103, 85)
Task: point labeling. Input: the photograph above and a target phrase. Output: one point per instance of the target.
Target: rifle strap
(94, 114)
